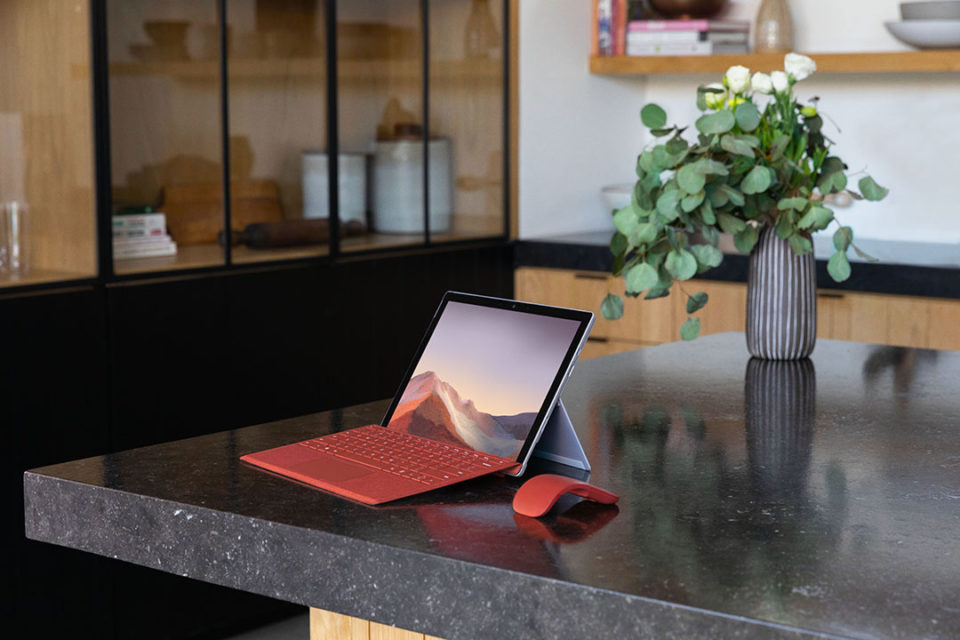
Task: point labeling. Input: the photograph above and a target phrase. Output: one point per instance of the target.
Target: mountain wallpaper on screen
(432, 408)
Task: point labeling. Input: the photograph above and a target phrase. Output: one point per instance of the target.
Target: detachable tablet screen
(487, 373)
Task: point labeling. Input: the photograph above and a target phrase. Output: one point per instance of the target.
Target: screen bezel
(584, 318)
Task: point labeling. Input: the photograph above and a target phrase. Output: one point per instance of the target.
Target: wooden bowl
(167, 33)
(688, 8)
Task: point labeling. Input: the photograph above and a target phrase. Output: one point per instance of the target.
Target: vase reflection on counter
(398, 197)
(780, 406)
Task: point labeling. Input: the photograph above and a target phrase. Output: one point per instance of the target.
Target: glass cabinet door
(467, 112)
(381, 126)
(47, 205)
(278, 129)
(165, 134)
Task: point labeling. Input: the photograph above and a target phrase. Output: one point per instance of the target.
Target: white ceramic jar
(397, 205)
(352, 191)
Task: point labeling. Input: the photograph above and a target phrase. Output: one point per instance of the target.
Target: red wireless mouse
(540, 493)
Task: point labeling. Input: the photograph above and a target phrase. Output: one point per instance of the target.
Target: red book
(620, 27)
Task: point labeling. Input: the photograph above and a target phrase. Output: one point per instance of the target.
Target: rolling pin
(290, 233)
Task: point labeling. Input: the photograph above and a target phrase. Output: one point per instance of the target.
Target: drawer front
(649, 321)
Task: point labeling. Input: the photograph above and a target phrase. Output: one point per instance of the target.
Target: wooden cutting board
(195, 211)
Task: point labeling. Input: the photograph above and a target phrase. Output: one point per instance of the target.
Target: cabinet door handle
(597, 339)
(826, 294)
(590, 276)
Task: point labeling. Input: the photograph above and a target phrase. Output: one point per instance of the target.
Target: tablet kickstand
(559, 441)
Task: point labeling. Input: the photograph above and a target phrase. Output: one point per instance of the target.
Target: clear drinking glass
(774, 28)
(15, 237)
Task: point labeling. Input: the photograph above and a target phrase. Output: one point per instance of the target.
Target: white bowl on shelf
(927, 34)
(939, 10)
(617, 196)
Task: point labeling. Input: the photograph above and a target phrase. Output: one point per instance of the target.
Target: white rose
(715, 101)
(738, 79)
(800, 67)
(781, 82)
(761, 83)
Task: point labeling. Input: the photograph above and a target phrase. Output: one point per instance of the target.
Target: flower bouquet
(761, 164)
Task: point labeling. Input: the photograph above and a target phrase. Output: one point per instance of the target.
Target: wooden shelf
(211, 255)
(41, 276)
(279, 69)
(931, 60)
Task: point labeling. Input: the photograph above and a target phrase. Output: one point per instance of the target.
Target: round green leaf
(842, 238)
(696, 302)
(735, 196)
(690, 329)
(729, 223)
(757, 181)
(716, 123)
(618, 244)
(747, 116)
(653, 117)
(871, 190)
(625, 220)
(746, 239)
(667, 204)
(612, 307)
(690, 179)
(707, 256)
(641, 277)
(681, 264)
(816, 218)
(736, 146)
(643, 233)
(691, 202)
(839, 267)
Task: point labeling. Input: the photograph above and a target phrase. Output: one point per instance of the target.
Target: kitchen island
(818, 498)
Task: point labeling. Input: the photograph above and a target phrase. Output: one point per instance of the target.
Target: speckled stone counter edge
(440, 596)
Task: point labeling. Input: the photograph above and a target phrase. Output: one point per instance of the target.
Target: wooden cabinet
(645, 322)
(908, 321)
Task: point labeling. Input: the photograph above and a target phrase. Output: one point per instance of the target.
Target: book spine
(139, 220)
(140, 233)
(728, 37)
(666, 36)
(670, 49)
(169, 249)
(620, 27)
(604, 33)
(127, 241)
(689, 25)
(669, 25)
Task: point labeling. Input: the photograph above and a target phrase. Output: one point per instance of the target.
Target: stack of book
(142, 235)
(687, 37)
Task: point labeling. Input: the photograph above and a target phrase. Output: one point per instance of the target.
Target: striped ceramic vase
(781, 301)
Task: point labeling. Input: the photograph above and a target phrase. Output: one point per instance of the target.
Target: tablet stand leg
(559, 441)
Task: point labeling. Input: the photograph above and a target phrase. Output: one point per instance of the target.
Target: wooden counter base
(326, 625)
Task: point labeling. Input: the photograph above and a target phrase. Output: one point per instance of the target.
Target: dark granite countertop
(904, 268)
(759, 499)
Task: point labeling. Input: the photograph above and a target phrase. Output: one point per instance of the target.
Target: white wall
(579, 132)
